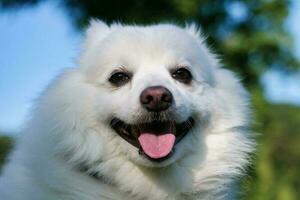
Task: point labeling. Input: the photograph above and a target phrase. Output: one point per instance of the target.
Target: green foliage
(6, 144)
(275, 175)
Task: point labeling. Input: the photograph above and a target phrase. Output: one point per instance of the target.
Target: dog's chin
(154, 143)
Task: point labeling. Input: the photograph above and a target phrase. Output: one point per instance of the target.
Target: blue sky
(37, 43)
(278, 87)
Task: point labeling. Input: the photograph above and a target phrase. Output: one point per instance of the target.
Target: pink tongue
(157, 146)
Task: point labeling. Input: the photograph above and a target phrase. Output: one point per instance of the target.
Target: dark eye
(119, 78)
(183, 75)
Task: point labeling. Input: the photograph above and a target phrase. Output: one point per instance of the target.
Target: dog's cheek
(104, 106)
(66, 111)
(181, 106)
(69, 100)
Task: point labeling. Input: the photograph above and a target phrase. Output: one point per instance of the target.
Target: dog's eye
(183, 75)
(119, 78)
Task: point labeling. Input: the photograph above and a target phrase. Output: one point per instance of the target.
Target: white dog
(149, 114)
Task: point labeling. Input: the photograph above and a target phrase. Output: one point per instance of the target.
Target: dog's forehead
(150, 46)
(150, 49)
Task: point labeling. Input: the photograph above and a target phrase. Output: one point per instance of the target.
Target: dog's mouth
(156, 139)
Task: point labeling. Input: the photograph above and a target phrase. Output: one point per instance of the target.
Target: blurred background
(258, 39)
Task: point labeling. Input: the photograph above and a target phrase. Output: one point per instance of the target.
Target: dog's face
(151, 85)
(143, 98)
(151, 95)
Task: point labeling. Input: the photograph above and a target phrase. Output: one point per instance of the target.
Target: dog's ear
(96, 31)
(195, 31)
(94, 34)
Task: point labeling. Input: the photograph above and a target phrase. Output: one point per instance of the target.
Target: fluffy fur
(68, 151)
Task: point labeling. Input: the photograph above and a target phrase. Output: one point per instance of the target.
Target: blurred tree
(275, 175)
(6, 144)
(250, 34)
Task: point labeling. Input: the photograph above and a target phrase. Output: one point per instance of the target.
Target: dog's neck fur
(171, 183)
(156, 183)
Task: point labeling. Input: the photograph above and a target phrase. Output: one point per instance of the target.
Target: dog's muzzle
(156, 98)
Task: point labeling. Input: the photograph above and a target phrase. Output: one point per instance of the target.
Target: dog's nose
(156, 98)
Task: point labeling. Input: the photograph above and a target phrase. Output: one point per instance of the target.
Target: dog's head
(151, 96)
(152, 89)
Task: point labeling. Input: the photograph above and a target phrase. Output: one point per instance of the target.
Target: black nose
(156, 98)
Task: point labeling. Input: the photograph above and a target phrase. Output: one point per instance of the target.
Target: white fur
(70, 123)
